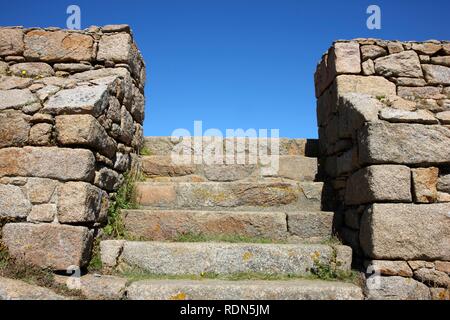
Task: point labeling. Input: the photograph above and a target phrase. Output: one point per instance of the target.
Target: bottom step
(243, 290)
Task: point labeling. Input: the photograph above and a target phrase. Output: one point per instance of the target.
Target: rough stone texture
(16, 98)
(390, 232)
(41, 134)
(443, 117)
(115, 47)
(78, 202)
(404, 116)
(110, 251)
(425, 184)
(157, 166)
(433, 278)
(84, 99)
(427, 48)
(107, 179)
(18, 290)
(390, 268)
(346, 58)
(436, 74)
(443, 266)
(40, 190)
(373, 85)
(223, 258)
(61, 46)
(66, 164)
(415, 93)
(440, 294)
(32, 69)
(388, 183)
(404, 64)
(14, 129)
(372, 52)
(162, 225)
(378, 143)
(242, 290)
(444, 183)
(397, 288)
(48, 245)
(13, 202)
(297, 168)
(42, 213)
(310, 224)
(11, 42)
(97, 287)
(84, 130)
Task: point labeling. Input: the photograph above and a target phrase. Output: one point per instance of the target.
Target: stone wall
(384, 127)
(71, 113)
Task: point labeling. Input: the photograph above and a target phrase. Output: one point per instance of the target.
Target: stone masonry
(71, 114)
(384, 125)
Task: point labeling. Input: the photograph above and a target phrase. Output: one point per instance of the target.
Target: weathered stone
(243, 290)
(375, 86)
(420, 92)
(16, 99)
(389, 268)
(397, 102)
(13, 202)
(162, 225)
(421, 144)
(427, 48)
(395, 47)
(78, 202)
(418, 264)
(99, 287)
(122, 162)
(433, 278)
(58, 46)
(368, 67)
(424, 184)
(297, 168)
(48, 245)
(159, 166)
(404, 64)
(355, 110)
(116, 28)
(32, 69)
(406, 232)
(444, 183)
(115, 47)
(424, 59)
(8, 83)
(107, 179)
(18, 290)
(4, 68)
(44, 93)
(84, 99)
(445, 61)
(440, 294)
(372, 52)
(11, 42)
(40, 190)
(410, 82)
(41, 134)
(443, 266)
(14, 129)
(435, 74)
(404, 116)
(72, 67)
(160, 195)
(42, 213)
(389, 183)
(138, 106)
(345, 58)
(443, 117)
(110, 251)
(225, 258)
(65, 164)
(396, 288)
(307, 225)
(126, 126)
(84, 130)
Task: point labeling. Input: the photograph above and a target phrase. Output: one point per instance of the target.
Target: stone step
(285, 146)
(261, 196)
(162, 225)
(179, 258)
(243, 290)
(166, 168)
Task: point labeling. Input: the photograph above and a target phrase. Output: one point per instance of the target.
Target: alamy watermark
(236, 146)
(374, 20)
(73, 22)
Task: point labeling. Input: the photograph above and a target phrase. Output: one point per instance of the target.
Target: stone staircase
(214, 231)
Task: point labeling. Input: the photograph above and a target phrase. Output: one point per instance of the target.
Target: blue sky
(237, 63)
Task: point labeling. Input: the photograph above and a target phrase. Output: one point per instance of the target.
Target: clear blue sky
(237, 63)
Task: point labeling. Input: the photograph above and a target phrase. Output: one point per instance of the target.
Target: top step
(293, 147)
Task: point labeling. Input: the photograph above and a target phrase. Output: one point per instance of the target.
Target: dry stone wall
(71, 114)
(384, 126)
